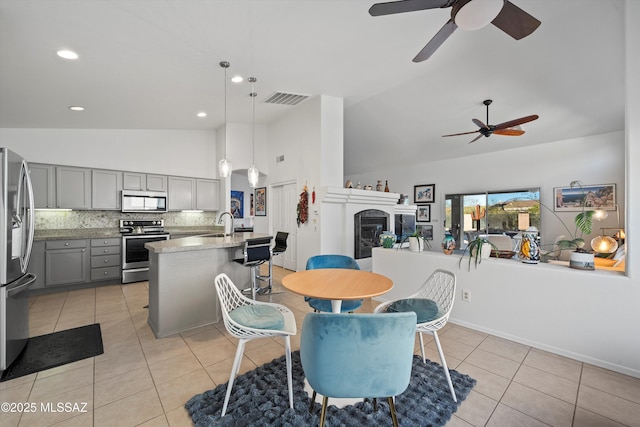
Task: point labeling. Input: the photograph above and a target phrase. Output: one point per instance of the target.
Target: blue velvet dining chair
(357, 355)
(332, 261)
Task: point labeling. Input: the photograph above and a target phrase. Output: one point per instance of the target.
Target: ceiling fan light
(477, 13)
(253, 175)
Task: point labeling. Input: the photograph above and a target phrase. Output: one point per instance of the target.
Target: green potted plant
(417, 242)
(478, 248)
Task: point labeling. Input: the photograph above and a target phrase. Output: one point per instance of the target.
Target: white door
(284, 202)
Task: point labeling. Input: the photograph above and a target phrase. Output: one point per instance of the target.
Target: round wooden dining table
(337, 284)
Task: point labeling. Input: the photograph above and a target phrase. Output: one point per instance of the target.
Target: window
(494, 212)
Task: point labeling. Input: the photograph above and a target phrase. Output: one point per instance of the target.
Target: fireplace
(368, 225)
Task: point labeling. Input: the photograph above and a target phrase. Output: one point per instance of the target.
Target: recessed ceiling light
(76, 108)
(67, 54)
(202, 114)
(237, 79)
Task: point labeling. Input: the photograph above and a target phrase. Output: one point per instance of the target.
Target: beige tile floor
(140, 380)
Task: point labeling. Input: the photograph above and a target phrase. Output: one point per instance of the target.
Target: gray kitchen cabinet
(43, 178)
(73, 187)
(36, 265)
(66, 262)
(144, 182)
(182, 193)
(156, 182)
(106, 187)
(106, 259)
(207, 194)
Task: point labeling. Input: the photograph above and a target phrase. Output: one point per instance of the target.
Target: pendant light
(224, 166)
(253, 174)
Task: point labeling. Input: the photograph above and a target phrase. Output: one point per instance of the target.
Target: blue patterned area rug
(261, 398)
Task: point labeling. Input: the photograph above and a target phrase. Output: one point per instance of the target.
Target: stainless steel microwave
(144, 201)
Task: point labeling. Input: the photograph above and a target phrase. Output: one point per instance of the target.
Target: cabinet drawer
(105, 261)
(105, 273)
(107, 250)
(112, 241)
(66, 244)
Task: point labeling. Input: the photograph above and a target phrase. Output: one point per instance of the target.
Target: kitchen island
(182, 295)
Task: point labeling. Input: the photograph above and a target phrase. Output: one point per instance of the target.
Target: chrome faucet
(220, 221)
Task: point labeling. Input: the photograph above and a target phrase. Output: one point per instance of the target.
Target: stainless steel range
(135, 257)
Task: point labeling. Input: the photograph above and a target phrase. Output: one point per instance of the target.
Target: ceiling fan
(467, 14)
(510, 128)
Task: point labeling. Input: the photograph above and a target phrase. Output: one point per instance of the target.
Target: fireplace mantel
(353, 195)
(339, 207)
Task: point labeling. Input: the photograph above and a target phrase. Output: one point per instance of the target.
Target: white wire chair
(230, 299)
(441, 288)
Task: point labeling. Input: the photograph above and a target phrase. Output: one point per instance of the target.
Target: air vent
(284, 98)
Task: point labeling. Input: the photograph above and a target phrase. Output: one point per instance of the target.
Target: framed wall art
(424, 193)
(424, 213)
(261, 201)
(237, 204)
(425, 230)
(598, 196)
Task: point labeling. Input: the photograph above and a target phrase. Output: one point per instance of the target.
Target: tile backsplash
(52, 220)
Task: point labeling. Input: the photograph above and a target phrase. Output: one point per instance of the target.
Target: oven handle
(29, 278)
(146, 236)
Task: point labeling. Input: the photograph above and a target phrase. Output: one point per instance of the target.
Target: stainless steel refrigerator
(16, 240)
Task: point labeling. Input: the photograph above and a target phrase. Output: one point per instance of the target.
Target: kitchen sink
(212, 235)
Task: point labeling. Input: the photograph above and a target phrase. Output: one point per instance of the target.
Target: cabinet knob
(106, 251)
(106, 260)
(105, 273)
(66, 244)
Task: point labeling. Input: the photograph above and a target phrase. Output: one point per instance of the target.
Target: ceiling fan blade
(515, 21)
(516, 122)
(437, 40)
(475, 139)
(463, 133)
(392, 7)
(480, 124)
(509, 132)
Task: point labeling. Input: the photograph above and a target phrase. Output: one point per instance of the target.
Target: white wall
(168, 152)
(590, 316)
(632, 151)
(240, 146)
(310, 133)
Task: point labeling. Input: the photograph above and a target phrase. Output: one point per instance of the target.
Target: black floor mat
(56, 349)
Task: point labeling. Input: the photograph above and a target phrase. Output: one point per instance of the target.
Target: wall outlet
(466, 295)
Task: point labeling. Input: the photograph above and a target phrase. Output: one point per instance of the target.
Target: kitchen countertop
(193, 231)
(76, 233)
(200, 243)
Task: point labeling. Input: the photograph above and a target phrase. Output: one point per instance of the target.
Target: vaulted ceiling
(155, 64)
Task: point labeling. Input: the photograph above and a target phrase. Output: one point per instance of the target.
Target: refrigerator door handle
(27, 279)
(25, 179)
